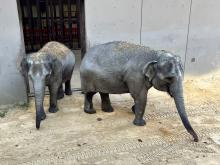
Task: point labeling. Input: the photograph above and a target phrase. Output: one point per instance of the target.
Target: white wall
(12, 88)
(110, 20)
(165, 25)
(204, 37)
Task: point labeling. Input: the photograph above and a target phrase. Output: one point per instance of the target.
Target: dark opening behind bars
(49, 20)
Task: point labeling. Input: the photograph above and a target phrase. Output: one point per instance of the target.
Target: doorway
(52, 20)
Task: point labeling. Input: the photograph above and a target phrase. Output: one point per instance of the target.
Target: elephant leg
(53, 98)
(106, 104)
(60, 93)
(139, 108)
(88, 105)
(68, 90)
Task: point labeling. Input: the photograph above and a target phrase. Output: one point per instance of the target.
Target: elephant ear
(24, 65)
(149, 70)
(56, 67)
(180, 65)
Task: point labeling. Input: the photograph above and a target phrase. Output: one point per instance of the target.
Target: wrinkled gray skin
(120, 67)
(50, 66)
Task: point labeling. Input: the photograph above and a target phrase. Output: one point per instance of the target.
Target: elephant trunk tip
(38, 121)
(194, 135)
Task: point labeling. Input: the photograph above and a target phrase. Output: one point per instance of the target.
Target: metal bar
(23, 19)
(52, 20)
(78, 7)
(47, 92)
(22, 10)
(61, 22)
(82, 29)
(30, 22)
(48, 20)
(70, 24)
(55, 16)
(39, 23)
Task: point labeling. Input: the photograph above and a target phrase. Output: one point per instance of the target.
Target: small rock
(99, 119)
(140, 140)
(79, 145)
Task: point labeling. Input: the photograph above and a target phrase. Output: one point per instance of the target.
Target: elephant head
(39, 69)
(166, 74)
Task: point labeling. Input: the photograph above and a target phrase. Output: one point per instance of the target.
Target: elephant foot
(68, 92)
(133, 109)
(107, 109)
(53, 109)
(89, 110)
(139, 122)
(60, 95)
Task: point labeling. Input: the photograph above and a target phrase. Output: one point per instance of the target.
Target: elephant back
(56, 49)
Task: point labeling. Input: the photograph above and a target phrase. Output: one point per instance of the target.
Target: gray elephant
(50, 66)
(121, 67)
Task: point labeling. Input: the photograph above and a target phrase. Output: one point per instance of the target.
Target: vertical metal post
(39, 23)
(22, 9)
(24, 20)
(30, 22)
(78, 7)
(55, 19)
(61, 20)
(70, 24)
(52, 20)
(82, 28)
(48, 23)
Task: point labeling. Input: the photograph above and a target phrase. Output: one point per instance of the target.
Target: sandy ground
(71, 136)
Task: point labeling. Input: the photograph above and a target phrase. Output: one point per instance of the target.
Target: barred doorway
(52, 20)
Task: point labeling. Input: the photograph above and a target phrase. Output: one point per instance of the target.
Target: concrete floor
(71, 136)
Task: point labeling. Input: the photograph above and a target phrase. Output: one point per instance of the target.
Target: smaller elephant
(51, 66)
(120, 67)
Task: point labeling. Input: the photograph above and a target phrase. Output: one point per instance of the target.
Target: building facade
(189, 28)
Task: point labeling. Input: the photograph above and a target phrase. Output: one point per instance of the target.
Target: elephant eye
(169, 79)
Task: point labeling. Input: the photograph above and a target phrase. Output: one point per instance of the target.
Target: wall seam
(187, 37)
(141, 22)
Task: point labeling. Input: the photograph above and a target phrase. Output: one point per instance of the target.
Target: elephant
(120, 67)
(51, 66)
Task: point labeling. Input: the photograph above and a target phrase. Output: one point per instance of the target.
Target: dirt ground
(71, 136)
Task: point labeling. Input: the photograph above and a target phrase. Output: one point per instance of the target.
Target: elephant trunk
(177, 92)
(39, 87)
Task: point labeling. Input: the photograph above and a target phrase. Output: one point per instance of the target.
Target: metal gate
(49, 20)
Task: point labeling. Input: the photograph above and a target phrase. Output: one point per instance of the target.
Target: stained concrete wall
(189, 28)
(12, 88)
(165, 25)
(109, 20)
(203, 53)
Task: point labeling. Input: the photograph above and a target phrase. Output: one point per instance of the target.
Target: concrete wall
(11, 48)
(165, 25)
(203, 53)
(189, 28)
(109, 20)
